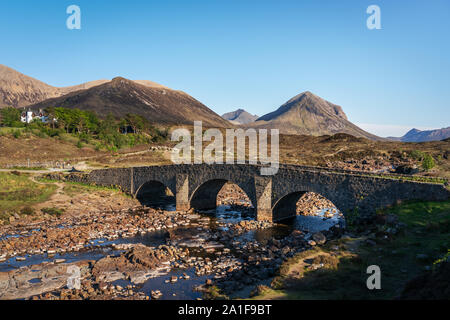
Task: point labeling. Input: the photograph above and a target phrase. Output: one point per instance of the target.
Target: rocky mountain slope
(240, 116)
(18, 90)
(122, 96)
(309, 114)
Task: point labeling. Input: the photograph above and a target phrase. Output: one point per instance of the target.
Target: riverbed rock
(16, 284)
(319, 238)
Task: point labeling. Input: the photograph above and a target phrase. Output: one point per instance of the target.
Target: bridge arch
(204, 197)
(153, 191)
(286, 206)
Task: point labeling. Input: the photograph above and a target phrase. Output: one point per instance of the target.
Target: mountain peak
(120, 81)
(309, 114)
(414, 130)
(240, 116)
(307, 102)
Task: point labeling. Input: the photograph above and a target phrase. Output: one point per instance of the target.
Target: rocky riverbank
(147, 253)
(75, 233)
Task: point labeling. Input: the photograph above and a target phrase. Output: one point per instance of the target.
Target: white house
(29, 115)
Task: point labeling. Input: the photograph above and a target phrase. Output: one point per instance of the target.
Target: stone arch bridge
(274, 197)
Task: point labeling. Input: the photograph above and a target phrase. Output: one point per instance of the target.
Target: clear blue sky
(248, 53)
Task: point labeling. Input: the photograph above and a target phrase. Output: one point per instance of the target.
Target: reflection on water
(263, 235)
(311, 224)
(96, 250)
(225, 214)
(92, 254)
(316, 223)
(166, 203)
(180, 290)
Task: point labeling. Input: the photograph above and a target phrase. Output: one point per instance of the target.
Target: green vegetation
(17, 134)
(73, 188)
(426, 159)
(417, 155)
(27, 211)
(53, 211)
(213, 293)
(11, 117)
(84, 128)
(428, 162)
(18, 192)
(437, 180)
(27, 168)
(404, 249)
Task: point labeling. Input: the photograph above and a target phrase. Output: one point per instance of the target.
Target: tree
(136, 122)
(427, 162)
(92, 121)
(10, 117)
(51, 116)
(62, 118)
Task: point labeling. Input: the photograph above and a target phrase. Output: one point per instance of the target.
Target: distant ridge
(416, 135)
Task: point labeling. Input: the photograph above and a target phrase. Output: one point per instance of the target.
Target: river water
(191, 236)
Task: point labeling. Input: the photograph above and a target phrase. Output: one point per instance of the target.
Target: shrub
(416, 155)
(53, 211)
(328, 261)
(17, 134)
(28, 211)
(98, 147)
(84, 137)
(79, 144)
(428, 162)
(40, 134)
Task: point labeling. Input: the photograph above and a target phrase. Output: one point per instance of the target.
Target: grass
(18, 191)
(8, 130)
(213, 293)
(424, 238)
(27, 168)
(437, 180)
(73, 188)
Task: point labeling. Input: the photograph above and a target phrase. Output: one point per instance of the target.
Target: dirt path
(55, 199)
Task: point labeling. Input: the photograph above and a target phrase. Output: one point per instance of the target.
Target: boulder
(319, 238)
